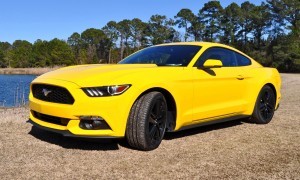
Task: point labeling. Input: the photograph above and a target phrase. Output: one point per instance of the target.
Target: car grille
(51, 93)
(50, 119)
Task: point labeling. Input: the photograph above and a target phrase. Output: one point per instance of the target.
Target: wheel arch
(264, 117)
(171, 104)
(273, 88)
(257, 94)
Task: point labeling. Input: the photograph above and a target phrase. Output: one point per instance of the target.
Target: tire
(264, 106)
(147, 120)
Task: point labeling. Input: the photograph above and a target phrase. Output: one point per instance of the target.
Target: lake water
(14, 89)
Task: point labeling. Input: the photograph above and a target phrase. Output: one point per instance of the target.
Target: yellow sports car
(167, 87)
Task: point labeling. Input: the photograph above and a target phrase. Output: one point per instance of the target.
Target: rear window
(242, 60)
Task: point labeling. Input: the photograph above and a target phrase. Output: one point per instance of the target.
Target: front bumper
(114, 110)
(66, 133)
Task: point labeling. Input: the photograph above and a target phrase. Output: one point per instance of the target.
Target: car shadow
(113, 144)
(203, 129)
(74, 143)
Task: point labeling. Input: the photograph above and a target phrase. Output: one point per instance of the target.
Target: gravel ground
(233, 150)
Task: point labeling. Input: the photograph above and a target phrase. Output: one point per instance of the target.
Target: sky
(36, 19)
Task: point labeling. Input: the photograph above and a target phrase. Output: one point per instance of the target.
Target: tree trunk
(121, 48)
(185, 35)
(109, 56)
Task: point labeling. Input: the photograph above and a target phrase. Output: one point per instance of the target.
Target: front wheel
(265, 106)
(147, 121)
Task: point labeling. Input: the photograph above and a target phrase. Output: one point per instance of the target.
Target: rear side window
(242, 60)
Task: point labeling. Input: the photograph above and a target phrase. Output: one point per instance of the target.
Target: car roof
(198, 43)
(204, 44)
(194, 43)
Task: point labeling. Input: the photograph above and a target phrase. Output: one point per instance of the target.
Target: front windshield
(170, 55)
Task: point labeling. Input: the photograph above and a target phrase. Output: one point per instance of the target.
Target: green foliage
(40, 53)
(246, 21)
(4, 49)
(185, 17)
(60, 53)
(160, 30)
(96, 44)
(231, 23)
(261, 19)
(269, 32)
(211, 15)
(138, 28)
(20, 55)
(2, 60)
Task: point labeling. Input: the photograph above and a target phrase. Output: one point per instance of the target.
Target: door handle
(240, 77)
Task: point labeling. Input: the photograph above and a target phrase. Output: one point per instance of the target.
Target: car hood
(85, 75)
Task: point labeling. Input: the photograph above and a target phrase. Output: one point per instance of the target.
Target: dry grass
(234, 150)
(34, 71)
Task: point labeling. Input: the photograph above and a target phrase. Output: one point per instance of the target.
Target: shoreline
(14, 107)
(26, 71)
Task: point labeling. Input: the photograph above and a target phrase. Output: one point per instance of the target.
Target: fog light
(86, 125)
(93, 123)
(96, 124)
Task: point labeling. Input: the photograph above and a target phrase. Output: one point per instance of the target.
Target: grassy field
(233, 150)
(34, 71)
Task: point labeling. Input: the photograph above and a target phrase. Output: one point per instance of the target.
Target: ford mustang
(163, 88)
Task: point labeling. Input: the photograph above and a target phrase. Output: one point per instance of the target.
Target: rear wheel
(265, 106)
(147, 121)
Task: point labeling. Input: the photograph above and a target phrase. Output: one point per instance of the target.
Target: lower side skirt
(210, 122)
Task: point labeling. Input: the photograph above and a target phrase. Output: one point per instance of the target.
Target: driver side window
(226, 56)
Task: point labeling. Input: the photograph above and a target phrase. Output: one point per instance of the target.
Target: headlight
(106, 90)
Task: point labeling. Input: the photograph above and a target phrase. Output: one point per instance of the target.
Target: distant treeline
(269, 32)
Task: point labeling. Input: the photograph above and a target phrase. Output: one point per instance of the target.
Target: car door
(217, 91)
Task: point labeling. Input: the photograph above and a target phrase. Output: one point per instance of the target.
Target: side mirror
(212, 63)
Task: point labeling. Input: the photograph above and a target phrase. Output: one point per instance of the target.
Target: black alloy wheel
(146, 124)
(265, 106)
(157, 121)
